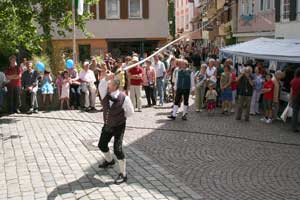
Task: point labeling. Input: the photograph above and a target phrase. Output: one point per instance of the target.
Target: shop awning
(282, 50)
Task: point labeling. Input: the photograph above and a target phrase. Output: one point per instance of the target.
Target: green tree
(30, 23)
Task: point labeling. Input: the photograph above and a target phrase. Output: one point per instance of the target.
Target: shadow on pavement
(91, 179)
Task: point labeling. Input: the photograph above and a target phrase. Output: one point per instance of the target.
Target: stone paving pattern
(207, 157)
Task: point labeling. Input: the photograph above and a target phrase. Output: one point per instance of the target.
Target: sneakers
(263, 119)
(120, 179)
(106, 164)
(269, 121)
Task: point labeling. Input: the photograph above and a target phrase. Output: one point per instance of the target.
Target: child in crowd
(58, 82)
(47, 87)
(268, 91)
(211, 98)
(65, 90)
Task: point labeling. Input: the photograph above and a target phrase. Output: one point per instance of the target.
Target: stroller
(169, 96)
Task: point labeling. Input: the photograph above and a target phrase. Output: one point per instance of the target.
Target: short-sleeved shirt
(87, 76)
(211, 95)
(14, 71)
(269, 85)
(136, 71)
(295, 87)
(160, 69)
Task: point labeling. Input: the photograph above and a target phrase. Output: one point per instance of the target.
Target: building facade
(120, 27)
(287, 24)
(255, 18)
(184, 13)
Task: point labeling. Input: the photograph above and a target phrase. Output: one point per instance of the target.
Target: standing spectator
(295, 99)
(30, 86)
(58, 82)
(74, 94)
(135, 76)
(88, 79)
(14, 75)
(234, 87)
(200, 77)
(184, 86)
(47, 88)
(127, 82)
(211, 71)
(220, 70)
(268, 92)
(160, 73)
(65, 91)
(149, 83)
(120, 74)
(245, 90)
(258, 86)
(277, 88)
(171, 72)
(225, 85)
(23, 65)
(3, 82)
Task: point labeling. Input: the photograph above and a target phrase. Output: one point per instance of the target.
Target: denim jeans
(160, 89)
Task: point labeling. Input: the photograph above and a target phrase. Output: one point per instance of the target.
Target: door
(84, 52)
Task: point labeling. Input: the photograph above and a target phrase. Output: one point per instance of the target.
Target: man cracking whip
(116, 108)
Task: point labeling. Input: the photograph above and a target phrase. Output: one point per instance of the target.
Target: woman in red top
(135, 76)
(295, 99)
(268, 91)
(14, 74)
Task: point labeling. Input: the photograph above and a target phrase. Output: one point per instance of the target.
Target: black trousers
(14, 98)
(182, 92)
(150, 95)
(74, 96)
(118, 134)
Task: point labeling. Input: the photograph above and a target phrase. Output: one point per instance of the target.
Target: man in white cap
(116, 108)
(135, 76)
(87, 79)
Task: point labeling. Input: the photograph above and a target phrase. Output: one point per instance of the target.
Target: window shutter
(277, 10)
(124, 9)
(102, 9)
(293, 10)
(145, 9)
(93, 11)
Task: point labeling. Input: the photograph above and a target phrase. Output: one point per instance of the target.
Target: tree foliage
(30, 23)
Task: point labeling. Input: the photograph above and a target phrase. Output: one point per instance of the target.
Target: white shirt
(192, 81)
(160, 69)
(87, 76)
(210, 73)
(127, 105)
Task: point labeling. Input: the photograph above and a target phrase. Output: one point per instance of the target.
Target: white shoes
(268, 121)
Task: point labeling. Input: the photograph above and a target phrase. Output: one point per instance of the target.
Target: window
(286, 9)
(268, 4)
(135, 8)
(262, 5)
(247, 7)
(113, 9)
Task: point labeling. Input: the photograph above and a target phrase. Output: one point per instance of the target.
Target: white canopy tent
(281, 50)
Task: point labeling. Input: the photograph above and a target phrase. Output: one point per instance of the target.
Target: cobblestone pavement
(49, 156)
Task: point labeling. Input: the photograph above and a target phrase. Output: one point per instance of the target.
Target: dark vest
(184, 79)
(114, 115)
